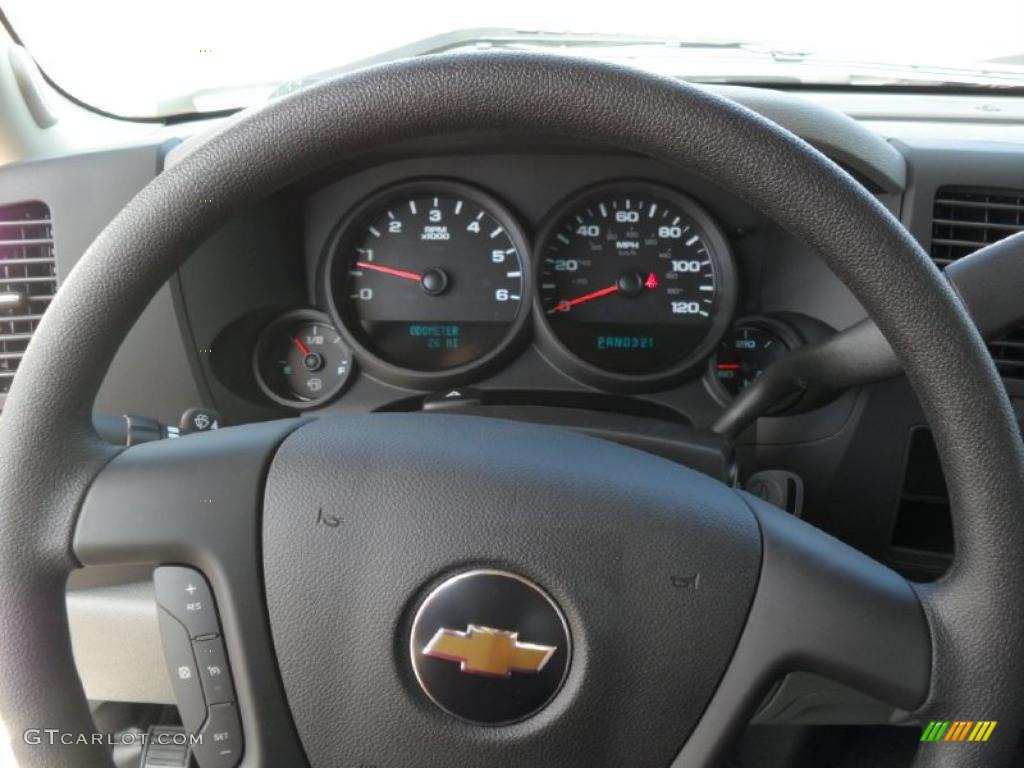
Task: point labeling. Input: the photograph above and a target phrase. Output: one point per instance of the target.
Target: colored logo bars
(958, 730)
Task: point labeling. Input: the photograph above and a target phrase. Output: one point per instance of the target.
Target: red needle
(302, 347)
(728, 366)
(562, 306)
(389, 270)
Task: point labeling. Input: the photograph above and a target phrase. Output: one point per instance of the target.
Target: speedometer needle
(631, 284)
(389, 270)
(564, 306)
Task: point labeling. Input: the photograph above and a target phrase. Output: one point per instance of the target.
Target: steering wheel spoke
(189, 500)
(196, 501)
(822, 607)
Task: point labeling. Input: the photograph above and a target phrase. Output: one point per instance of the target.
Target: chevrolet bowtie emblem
(496, 678)
(486, 651)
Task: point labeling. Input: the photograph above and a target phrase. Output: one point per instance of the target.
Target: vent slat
(980, 225)
(5, 319)
(26, 261)
(27, 268)
(24, 223)
(972, 244)
(25, 280)
(1007, 344)
(32, 241)
(991, 206)
(966, 219)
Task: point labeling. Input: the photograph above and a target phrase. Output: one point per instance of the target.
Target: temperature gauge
(747, 350)
(301, 361)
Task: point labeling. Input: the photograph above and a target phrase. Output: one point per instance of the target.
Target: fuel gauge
(301, 360)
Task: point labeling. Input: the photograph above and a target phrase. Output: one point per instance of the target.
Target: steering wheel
(680, 600)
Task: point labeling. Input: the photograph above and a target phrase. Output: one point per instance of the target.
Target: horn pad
(369, 520)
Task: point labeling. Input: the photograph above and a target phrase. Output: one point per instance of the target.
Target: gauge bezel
(306, 315)
(585, 372)
(412, 378)
(786, 333)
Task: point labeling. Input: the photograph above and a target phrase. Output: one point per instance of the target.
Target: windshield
(151, 59)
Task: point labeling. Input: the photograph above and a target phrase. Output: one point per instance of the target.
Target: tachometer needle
(563, 306)
(389, 270)
(302, 347)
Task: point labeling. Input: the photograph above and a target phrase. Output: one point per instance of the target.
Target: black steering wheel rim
(51, 453)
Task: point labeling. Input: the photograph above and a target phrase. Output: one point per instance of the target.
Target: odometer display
(635, 280)
(429, 277)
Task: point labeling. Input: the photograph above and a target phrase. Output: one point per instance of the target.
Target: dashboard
(530, 278)
(547, 278)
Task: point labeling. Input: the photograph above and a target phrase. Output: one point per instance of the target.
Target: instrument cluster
(627, 286)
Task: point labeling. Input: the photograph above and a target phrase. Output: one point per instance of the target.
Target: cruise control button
(213, 670)
(184, 593)
(221, 738)
(181, 667)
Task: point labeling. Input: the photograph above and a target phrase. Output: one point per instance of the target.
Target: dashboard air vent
(28, 280)
(966, 219)
(1008, 353)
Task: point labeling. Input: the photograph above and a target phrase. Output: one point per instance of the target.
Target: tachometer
(635, 284)
(430, 280)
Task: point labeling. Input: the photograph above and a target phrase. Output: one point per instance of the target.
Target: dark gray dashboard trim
(960, 164)
(836, 134)
(84, 192)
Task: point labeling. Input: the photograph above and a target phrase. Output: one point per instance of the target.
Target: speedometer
(636, 284)
(430, 280)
